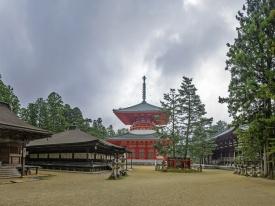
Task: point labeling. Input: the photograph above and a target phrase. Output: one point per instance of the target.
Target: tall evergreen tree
(191, 112)
(68, 115)
(251, 62)
(110, 131)
(98, 129)
(56, 113)
(33, 114)
(53, 115)
(7, 95)
(202, 143)
(170, 104)
(42, 113)
(73, 116)
(24, 114)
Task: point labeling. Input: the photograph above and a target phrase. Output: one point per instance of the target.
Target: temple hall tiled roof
(10, 121)
(69, 137)
(66, 137)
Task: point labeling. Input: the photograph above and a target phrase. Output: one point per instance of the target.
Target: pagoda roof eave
(133, 136)
(141, 107)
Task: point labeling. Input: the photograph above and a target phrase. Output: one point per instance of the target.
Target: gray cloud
(94, 52)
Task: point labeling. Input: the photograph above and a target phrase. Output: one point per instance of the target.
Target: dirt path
(143, 187)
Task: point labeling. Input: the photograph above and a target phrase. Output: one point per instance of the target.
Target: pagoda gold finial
(144, 89)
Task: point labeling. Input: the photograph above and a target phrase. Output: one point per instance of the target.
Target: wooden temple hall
(74, 150)
(14, 135)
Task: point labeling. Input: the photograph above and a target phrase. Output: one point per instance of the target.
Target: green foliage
(7, 95)
(170, 105)
(219, 127)
(202, 142)
(74, 117)
(188, 131)
(98, 129)
(52, 114)
(167, 144)
(122, 131)
(251, 62)
(56, 112)
(42, 113)
(249, 145)
(191, 112)
(110, 131)
(254, 137)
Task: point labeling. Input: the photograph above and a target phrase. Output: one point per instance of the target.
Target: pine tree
(170, 104)
(110, 131)
(68, 115)
(33, 114)
(191, 112)
(202, 143)
(98, 129)
(24, 114)
(73, 116)
(42, 113)
(56, 113)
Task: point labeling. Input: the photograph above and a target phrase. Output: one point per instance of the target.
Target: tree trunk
(174, 149)
(188, 129)
(265, 165)
(173, 134)
(173, 128)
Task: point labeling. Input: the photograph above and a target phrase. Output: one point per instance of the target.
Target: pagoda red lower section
(142, 149)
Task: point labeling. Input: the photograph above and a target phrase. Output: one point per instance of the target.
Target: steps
(8, 172)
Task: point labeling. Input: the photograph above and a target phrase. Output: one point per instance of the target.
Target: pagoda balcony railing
(142, 126)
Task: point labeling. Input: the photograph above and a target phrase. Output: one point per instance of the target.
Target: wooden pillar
(131, 160)
(23, 158)
(126, 161)
(117, 173)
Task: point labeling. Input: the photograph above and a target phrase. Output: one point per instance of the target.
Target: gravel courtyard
(142, 187)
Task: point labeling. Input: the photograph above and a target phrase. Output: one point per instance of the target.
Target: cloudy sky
(95, 52)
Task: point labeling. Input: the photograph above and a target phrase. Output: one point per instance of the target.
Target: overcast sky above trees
(94, 53)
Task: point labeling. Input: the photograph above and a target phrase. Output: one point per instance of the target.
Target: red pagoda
(142, 118)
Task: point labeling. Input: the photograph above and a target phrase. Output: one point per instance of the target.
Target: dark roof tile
(144, 107)
(135, 136)
(9, 120)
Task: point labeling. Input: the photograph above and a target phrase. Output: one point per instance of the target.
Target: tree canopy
(7, 95)
(251, 62)
(54, 115)
(188, 133)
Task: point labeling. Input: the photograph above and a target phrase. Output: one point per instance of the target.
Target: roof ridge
(139, 104)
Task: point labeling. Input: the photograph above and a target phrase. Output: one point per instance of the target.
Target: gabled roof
(135, 136)
(67, 137)
(71, 137)
(141, 107)
(10, 121)
(230, 130)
